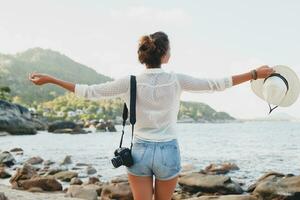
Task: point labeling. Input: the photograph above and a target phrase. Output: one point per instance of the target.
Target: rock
(24, 173)
(81, 164)
(46, 184)
(3, 133)
(225, 197)
(48, 162)
(79, 191)
(76, 181)
(65, 127)
(16, 119)
(35, 160)
(93, 180)
(220, 169)
(59, 124)
(265, 177)
(196, 182)
(90, 170)
(275, 186)
(2, 196)
(120, 178)
(66, 175)
(67, 160)
(7, 159)
(120, 191)
(16, 149)
(101, 127)
(4, 173)
(110, 126)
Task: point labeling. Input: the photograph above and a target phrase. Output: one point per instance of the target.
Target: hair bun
(147, 43)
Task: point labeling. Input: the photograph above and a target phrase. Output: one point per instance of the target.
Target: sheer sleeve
(107, 90)
(193, 84)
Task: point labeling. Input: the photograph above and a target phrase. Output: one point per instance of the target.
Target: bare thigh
(141, 187)
(165, 189)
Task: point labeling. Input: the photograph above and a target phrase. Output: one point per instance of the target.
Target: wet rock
(220, 168)
(67, 160)
(66, 175)
(48, 162)
(35, 160)
(110, 126)
(79, 191)
(16, 149)
(93, 180)
(65, 127)
(81, 164)
(101, 127)
(2, 196)
(196, 182)
(90, 170)
(24, 173)
(44, 183)
(16, 119)
(277, 186)
(7, 158)
(76, 181)
(119, 191)
(4, 173)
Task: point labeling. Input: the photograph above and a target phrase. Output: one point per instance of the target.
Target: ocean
(255, 146)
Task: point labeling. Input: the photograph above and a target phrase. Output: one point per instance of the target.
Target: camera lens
(117, 161)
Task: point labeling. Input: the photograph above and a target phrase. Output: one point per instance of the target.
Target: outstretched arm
(262, 72)
(194, 84)
(41, 79)
(109, 89)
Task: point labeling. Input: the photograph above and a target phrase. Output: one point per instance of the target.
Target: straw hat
(281, 88)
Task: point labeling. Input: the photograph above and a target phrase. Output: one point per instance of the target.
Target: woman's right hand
(264, 71)
(39, 79)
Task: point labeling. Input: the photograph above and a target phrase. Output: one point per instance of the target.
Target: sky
(209, 39)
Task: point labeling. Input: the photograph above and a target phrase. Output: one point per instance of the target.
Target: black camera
(122, 157)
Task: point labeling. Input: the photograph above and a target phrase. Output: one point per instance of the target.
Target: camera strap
(132, 117)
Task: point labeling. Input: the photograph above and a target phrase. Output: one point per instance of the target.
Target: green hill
(14, 71)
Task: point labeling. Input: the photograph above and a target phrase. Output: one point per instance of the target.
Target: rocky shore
(16, 119)
(38, 178)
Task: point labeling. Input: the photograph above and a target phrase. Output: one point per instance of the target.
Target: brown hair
(152, 48)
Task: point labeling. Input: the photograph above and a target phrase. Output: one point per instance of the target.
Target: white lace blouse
(158, 98)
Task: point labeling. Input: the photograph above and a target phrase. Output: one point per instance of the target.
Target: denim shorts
(161, 159)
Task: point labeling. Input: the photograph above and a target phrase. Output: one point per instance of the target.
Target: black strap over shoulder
(132, 111)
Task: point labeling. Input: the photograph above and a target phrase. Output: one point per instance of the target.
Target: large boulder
(278, 186)
(44, 183)
(24, 173)
(60, 126)
(197, 182)
(17, 120)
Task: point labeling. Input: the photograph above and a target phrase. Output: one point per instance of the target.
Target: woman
(155, 150)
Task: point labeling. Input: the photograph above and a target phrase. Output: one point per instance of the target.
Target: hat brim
(293, 81)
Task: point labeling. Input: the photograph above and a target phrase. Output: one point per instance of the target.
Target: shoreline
(13, 194)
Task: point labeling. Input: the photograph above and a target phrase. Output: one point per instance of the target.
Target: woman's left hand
(264, 71)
